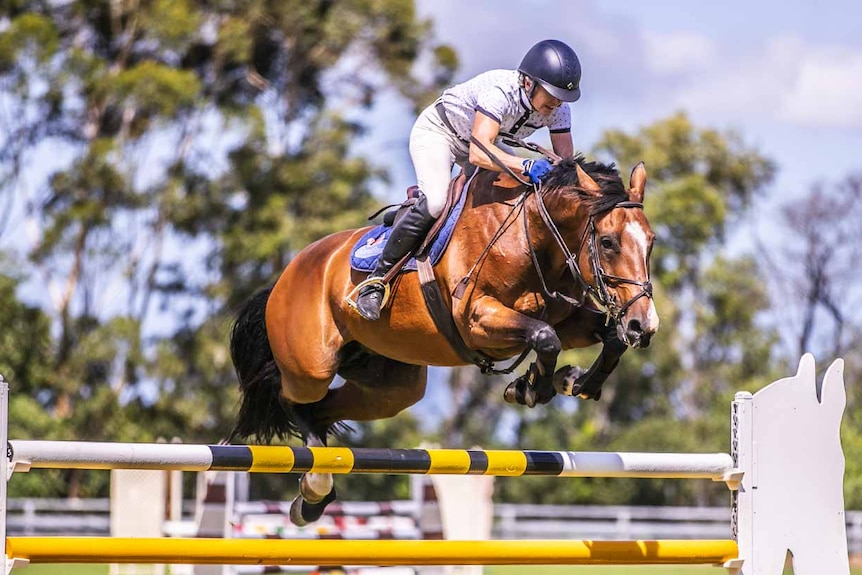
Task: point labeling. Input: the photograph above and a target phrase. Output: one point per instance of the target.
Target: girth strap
(442, 316)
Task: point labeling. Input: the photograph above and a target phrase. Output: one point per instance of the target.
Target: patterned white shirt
(498, 95)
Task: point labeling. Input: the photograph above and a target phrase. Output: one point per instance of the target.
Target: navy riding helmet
(555, 66)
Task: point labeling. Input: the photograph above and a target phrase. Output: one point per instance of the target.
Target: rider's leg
(434, 151)
(405, 237)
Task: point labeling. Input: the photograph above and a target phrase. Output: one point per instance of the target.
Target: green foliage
(218, 128)
(155, 89)
(851, 442)
(699, 181)
(29, 34)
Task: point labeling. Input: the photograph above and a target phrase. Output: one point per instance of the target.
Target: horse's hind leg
(378, 388)
(316, 491)
(375, 388)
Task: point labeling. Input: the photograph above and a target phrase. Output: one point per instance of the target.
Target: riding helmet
(555, 66)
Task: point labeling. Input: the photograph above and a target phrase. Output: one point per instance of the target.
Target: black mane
(564, 175)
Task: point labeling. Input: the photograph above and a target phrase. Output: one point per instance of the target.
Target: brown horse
(562, 266)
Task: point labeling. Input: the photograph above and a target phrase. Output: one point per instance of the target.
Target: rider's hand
(536, 169)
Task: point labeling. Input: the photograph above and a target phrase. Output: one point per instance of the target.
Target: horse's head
(613, 246)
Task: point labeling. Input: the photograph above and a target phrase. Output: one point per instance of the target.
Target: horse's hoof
(302, 512)
(296, 512)
(519, 392)
(566, 380)
(317, 491)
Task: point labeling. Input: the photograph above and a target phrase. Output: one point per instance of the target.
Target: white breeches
(434, 150)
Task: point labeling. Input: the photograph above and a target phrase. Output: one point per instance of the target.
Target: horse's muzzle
(633, 334)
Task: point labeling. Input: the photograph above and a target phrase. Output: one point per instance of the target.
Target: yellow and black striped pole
(341, 460)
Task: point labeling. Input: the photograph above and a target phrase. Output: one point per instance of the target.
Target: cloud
(827, 91)
(785, 80)
(678, 53)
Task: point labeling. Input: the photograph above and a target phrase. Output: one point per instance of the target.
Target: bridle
(599, 293)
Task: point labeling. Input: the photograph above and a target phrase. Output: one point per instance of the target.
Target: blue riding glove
(537, 170)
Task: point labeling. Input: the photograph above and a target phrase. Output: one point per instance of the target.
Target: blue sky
(787, 76)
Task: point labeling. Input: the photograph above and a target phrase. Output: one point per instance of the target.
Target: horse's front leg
(582, 329)
(495, 326)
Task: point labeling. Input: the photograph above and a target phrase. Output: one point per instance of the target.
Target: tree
(813, 275)
(813, 268)
(194, 147)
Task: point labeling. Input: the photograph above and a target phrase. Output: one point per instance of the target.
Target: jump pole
(27, 455)
(384, 553)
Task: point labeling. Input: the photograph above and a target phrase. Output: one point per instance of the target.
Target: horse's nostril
(635, 327)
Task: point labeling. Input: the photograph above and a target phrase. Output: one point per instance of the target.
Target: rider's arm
(486, 129)
(562, 144)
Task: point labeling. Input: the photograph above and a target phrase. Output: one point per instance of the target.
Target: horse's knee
(546, 342)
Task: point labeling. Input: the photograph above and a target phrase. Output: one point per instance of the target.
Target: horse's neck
(492, 228)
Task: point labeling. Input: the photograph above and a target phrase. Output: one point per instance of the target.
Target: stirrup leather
(351, 301)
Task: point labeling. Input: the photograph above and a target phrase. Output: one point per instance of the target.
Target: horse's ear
(585, 182)
(637, 183)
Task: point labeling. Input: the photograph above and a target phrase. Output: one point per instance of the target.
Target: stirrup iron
(351, 297)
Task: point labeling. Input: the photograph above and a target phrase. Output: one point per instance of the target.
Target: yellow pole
(357, 552)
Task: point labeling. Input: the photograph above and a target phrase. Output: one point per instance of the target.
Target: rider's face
(543, 102)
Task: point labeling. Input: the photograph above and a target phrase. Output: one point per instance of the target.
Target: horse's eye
(607, 243)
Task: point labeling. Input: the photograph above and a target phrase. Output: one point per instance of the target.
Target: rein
(598, 294)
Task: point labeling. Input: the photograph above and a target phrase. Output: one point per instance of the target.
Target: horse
(528, 268)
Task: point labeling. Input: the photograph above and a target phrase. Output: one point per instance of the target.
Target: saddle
(365, 252)
(364, 255)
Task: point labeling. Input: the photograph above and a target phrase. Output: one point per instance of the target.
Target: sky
(787, 76)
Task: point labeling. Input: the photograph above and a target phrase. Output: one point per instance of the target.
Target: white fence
(511, 521)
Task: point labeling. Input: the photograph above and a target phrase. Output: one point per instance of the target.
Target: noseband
(598, 293)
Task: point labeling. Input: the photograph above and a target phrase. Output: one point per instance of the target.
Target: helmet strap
(532, 90)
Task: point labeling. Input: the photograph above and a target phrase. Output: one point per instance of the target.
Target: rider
(491, 105)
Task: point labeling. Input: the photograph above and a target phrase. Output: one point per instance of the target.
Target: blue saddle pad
(366, 252)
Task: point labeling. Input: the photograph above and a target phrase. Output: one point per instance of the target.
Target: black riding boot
(406, 235)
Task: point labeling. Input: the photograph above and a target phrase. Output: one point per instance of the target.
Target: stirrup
(350, 298)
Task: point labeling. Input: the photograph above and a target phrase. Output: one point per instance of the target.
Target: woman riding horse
(529, 267)
(543, 268)
(494, 104)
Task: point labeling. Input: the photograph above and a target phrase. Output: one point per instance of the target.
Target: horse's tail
(260, 413)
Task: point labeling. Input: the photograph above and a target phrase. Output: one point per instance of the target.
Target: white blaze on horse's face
(639, 239)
